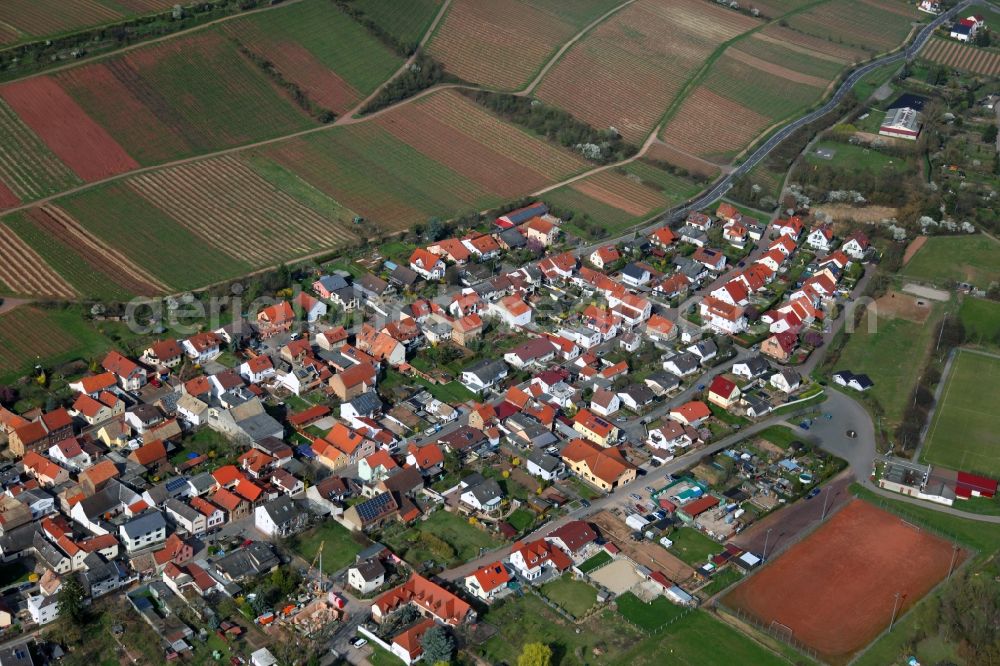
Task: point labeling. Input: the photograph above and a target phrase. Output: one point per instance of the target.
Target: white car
(359, 642)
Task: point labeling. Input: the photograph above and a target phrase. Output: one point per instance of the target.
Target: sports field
(974, 259)
(963, 434)
(834, 592)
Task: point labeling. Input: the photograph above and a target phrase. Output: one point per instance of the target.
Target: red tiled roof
(492, 576)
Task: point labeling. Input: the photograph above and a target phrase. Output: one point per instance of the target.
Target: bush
(422, 74)
(600, 146)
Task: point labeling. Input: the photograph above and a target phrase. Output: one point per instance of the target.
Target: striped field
(27, 167)
(960, 56)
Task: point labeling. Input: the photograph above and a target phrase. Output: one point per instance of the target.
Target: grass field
(871, 26)
(692, 546)
(66, 260)
(198, 91)
(721, 580)
(574, 596)
(521, 519)
(781, 436)
(159, 243)
(31, 335)
(856, 158)
(878, 351)
(974, 259)
(28, 168)
(464, 539)
(595, 562)
(648, 617)
(606, 638)
(332, 57)
(21, 20)
(981, 319)
(962, 435)
(406, 21)
(339, 551)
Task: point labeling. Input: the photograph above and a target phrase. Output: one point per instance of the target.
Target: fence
(917, 522)
(774, 629)
(663, 627)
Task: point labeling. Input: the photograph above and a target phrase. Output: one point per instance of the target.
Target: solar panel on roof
(374, 507)
(174, 484)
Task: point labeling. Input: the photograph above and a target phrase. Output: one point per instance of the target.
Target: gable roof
(491, 576)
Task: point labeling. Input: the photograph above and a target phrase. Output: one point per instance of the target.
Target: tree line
(600, 146)
(35, 56)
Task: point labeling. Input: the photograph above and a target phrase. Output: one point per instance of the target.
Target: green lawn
(981, 319)
(974, 259)
(446, 538)
(648, 617)
(722, 580)
(856, 158)
(880, 351)
(521, 519)
(584, 490)
(698, 638)
(692, 546)
(595, 562)
(339, 551)
(574, 596)
(963, 433)
(781, 436)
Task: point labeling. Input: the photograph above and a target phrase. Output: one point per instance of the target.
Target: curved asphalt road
(764, 150)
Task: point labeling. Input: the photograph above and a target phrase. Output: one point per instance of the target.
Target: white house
(427, 264)
(544, 466)
(481, 494)
(366, 576)
(821, 238)
(856, 246)
(511, 310)
(483, 375)
(202, 347)
(531, 559)
(786, 380)
(279, 517)
(605, 402)
(145, 530)
(722, 317)
(258, 369)
(43, 609)
(487, 582)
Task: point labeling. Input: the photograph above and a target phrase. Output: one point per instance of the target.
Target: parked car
(812, 493)
(359, 642)
(650, 490)
(635, 496)
(585, 503)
